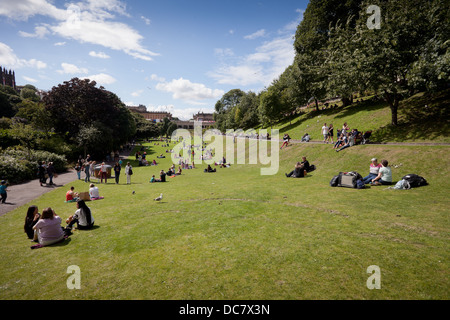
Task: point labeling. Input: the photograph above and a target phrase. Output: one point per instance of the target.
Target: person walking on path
(41, 173)
(128, 172)
(325, 133)
(117, 169)
(51, 172)
(3, 193)
(87, 171)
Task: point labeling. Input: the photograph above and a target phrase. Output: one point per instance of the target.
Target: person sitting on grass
(71, 195)
(373, 172)
(153, 179)
(384, 175)
(306, 138)
(162, 177)
(305, 164)
(31, 219)
(48, 230)
(82, 217)
(298, 172)
(209, 169)
(348, 142)
(94, 192)
(179, 171)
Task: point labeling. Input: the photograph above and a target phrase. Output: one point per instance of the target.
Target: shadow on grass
(421, 117)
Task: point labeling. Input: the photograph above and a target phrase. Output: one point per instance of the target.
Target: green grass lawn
(417, 123)
(236, 234)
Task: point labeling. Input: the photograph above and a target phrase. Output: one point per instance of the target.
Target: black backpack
(415, 180)
(334, 181)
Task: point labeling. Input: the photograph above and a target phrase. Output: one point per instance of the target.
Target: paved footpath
(23, 193)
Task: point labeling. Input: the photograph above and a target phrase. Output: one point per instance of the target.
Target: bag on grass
(402, 185)
(334, 181)
(349, 179)
(415, 180)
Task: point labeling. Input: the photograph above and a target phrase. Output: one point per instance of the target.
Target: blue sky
(177, 55)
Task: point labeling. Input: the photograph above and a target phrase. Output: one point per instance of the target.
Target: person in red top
(71, 195)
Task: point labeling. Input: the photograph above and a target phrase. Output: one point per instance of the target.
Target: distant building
(155, 116)
(8, 78)
(205, 117)
(207, 120)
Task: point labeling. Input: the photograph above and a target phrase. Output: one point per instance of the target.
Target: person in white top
(94, 193)
(325, 132)
(82, 217)
(128, 172)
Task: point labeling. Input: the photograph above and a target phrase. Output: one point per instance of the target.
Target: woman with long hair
(48, 229)
(31, 219)
(82, 217)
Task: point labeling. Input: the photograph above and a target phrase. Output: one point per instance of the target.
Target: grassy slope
(416, 123)
(238, 235)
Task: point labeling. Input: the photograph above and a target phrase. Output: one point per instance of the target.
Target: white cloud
(89, 21)
(137, 93)
(24, 9)
(9, 59)
(192, 93)
(68, 68)
(146, 20)
(101, 78)
(155, 77)
(261, 67)
(100, 55)
(39, 32)
(109, 34)
(255, 35)
(59, 44)
(29, 79)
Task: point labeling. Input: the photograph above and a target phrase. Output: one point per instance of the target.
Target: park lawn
(236, 234)
(417, 123)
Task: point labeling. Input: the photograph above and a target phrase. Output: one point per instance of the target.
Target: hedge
(19, 165)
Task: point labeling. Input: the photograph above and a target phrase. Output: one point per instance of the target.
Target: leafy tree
(225, 111)
(26, 134)
(79, 103)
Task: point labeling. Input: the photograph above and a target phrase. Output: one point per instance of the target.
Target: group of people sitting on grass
(379, 173)
(170, 173)
(46, 229)
(94, 194)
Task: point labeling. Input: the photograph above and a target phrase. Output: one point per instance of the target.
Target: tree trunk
(392, 100)
(317, 104)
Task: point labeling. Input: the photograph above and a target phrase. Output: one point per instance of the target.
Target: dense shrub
(18, 165)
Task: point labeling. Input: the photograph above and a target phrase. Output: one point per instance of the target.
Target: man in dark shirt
(305, 164)
(162, 176)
